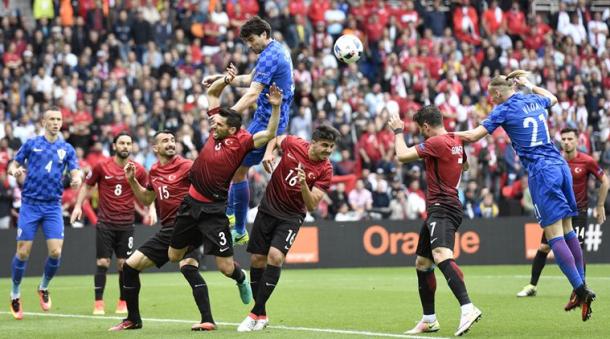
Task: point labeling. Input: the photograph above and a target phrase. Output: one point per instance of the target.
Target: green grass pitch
(320, 303)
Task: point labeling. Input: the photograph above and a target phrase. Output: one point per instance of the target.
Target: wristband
(397, 131)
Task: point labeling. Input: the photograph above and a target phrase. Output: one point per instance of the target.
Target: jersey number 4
(529, 121)
(49, 166)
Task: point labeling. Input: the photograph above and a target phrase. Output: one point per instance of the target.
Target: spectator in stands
(360, 199)
(488, 208)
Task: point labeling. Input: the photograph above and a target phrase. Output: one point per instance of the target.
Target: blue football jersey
(274, 65)
(523, 117)
(45, 163)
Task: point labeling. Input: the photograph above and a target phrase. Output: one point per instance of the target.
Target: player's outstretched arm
(144, 196)
(268, 158)
(250, 97)
(77, 212)
(312, 197)
(520, 78)
(601, 199)
(275, 99)
(404, 153)
(243, 80)
(473, 135)
(216, 88)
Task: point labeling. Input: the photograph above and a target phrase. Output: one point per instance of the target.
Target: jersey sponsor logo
(37, 149)
(311, 176)
(108, 177)
(291, 156)
(268, 284)
(577, 170)
(156, 178)
(223, 249)
(228, 142)
(61, 154)
(433, 240)
(457, 150)
(286, 247)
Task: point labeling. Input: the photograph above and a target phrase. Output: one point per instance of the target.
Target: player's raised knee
(104, 262)
(275, 257)
(175, 255)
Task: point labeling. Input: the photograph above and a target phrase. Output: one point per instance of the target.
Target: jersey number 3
(529, 121)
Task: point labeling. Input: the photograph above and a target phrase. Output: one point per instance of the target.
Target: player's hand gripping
(268, 162)
(275, 95)
(601, 214)
(395, 122)
(520, 78)
(18, 172)
(130, 171)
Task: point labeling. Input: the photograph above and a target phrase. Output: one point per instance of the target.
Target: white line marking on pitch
(181, 321)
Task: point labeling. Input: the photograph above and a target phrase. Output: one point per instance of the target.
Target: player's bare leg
(132, 267)
(121, 307)
(19, 265)
(231, 269)
(427, 287)
(102, 265)
(54, 247)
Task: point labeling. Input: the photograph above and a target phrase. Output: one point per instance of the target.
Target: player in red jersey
(581, 167)
(444, 158)
(297, 185)
(115, 227)
(201, 218)
(168, 183)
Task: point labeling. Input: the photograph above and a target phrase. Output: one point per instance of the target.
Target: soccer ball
(348, 48)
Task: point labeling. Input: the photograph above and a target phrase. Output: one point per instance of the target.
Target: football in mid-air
(348, 48)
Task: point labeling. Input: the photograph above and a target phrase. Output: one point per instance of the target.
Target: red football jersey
(116, 206)
(171, 183)
(218, 160)
(581, 166)
(283, 198)
(444, 157)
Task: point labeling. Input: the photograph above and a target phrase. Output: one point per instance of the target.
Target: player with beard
(297, 185)
(201, 217)
(168, 183)
(116, 216)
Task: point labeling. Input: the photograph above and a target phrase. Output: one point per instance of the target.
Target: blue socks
(231, 202)
(17, 271)
(565, 260)
(50, 268)
(574, 246)
(241, 197)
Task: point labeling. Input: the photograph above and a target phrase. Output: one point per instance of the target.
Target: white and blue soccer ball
(348, 48)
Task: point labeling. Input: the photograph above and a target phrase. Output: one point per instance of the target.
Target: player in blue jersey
(274, 65)
(44, 159)
(523, 117)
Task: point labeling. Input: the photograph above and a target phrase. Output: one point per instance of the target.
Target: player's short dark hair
(233, 117)
(568, 130)
(164, 131)
(429, 114)
(255, 25)
(116, 138)
(325, 132)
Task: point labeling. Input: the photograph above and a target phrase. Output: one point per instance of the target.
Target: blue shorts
(49, 216)
(256, 155)
(552, 194)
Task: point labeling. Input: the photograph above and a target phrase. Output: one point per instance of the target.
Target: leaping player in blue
(42, 160)
(523, 117)
(274, 65)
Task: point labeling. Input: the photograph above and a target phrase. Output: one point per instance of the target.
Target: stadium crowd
(136, 66)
